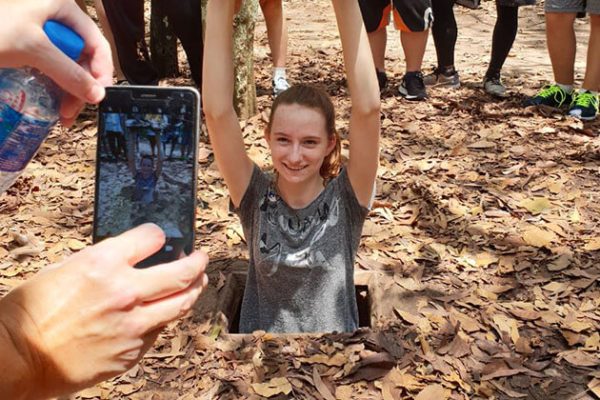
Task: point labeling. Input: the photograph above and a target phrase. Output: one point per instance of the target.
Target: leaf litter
(483, 237)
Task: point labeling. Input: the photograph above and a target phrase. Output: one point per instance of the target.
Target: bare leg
(109, 36)
(414, 44)
(378, 41)
(560, 37)
(592, 69)
(276, 30)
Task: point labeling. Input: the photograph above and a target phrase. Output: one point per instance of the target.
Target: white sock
(279, 72)
(566, 88)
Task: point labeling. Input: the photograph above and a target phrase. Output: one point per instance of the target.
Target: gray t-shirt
(301, 273)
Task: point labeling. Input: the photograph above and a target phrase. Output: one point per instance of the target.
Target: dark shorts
(515, 3)
(409, 15)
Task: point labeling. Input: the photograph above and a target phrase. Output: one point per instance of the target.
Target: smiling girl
(303, 223)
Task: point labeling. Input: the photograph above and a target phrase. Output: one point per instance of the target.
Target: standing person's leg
(413, 19)
(444, 32)
(278, 40)
(586, 103)
(110, 37)
(126, 19)
(375, 14)
(186, 21)
(560, 38)
(505, 31)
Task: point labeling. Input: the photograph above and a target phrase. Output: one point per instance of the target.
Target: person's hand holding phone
(94, 315)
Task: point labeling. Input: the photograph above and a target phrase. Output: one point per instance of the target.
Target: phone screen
(146, 165)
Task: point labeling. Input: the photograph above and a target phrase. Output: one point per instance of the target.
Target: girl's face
(299, 142)
(146, 167)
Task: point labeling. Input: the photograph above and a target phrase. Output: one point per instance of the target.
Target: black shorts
(409, 15)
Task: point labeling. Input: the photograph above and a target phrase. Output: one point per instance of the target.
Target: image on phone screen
(146, 172)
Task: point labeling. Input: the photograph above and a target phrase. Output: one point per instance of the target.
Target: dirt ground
(478, 268)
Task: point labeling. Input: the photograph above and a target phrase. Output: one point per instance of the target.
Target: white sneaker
(280, 84)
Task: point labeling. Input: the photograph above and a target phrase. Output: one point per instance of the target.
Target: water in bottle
(29, 106)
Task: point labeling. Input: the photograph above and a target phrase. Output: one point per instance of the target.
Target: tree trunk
(163, 43)
(244, 92)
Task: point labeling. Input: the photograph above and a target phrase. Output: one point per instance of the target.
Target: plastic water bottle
(29, 106)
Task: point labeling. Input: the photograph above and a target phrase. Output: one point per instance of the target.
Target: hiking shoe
(584, 106)
(438, 78)
(550, 95)
(381, 79)
(412, 86)
(280, 84)
(493, 85)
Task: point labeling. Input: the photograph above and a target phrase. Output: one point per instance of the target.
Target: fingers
(70, 108)
(97, 50)
(167, 279)
(134, 245)
(83, 82)
(160, 312)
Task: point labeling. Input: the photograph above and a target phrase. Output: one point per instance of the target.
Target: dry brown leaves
(484, 237)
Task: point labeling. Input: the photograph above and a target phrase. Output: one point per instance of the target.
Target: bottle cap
(66, 39)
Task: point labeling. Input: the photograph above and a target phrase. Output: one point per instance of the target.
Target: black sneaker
(550, 95)
(382, 79)
(585, 106)
(412, 86)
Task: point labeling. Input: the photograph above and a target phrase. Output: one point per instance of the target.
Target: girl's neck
(299, 195)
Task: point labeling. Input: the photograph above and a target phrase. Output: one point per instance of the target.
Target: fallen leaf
(321, 387)
(579, 358)
(482, 145)
(273, 387)
(560, 263)
(593, 245)
(433, 392)
(538, 237)
(75, 244)
(535, 205)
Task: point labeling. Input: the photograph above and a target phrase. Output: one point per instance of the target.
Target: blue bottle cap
(66, 39)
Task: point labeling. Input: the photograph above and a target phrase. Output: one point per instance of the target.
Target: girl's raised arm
(365, 124)
(217, 93)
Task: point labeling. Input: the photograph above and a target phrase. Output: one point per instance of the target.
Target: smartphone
(146, 165)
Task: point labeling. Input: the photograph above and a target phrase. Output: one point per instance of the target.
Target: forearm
(17, 372)
(358, 61)
(218, 70)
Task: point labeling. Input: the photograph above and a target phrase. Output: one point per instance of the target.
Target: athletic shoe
(412, 86)
(493, 85)
(381, 79)
(438, 78)
(280, 84)
(550, 95)
(584, 106)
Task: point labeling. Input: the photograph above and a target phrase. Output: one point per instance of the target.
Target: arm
(23, 43)
(93, 316)
(364, 94)
(223, 126)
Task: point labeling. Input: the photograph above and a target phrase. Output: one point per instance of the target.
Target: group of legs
(414, 20)
(123, 26)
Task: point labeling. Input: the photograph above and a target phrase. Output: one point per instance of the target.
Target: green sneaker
(550, 95)
(584, 106)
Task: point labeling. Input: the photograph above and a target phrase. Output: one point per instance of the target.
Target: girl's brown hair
(317, 99)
